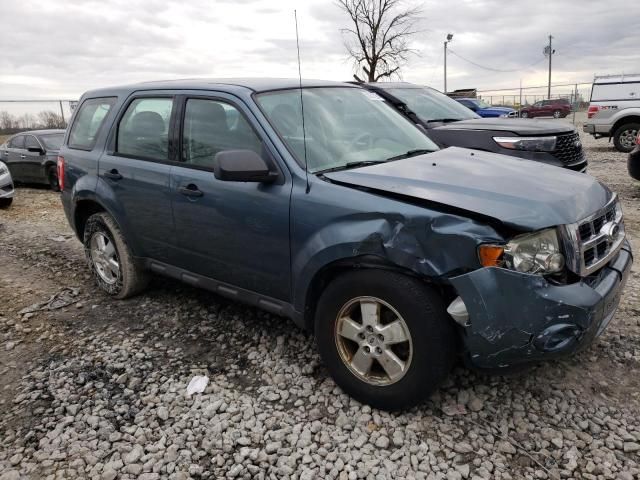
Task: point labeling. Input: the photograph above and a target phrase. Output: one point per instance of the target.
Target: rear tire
(557, 114)
(52, 177)
(625, 136)
(110, 258)
(5, 202)
(418, 353)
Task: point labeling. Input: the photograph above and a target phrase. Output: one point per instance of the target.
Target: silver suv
(614, 110)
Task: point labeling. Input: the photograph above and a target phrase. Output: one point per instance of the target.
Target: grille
(569, 149)
(598, 238)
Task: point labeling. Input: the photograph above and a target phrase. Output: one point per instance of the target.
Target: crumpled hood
(521, 194)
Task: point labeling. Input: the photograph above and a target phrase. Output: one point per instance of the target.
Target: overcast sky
(59, 49)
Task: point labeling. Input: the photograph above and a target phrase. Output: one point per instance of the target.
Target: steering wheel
(362, 142)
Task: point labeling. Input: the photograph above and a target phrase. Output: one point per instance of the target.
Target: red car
(557, 108)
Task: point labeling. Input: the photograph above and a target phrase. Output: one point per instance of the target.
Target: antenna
(304, 133)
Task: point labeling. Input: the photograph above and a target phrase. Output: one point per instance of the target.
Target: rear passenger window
(144, 129)
(211, 127)
(89, 121)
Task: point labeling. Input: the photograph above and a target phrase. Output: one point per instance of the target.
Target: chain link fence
(577, 94)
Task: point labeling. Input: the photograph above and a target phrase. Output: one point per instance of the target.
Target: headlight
(531, 144)
(537, 252)
(3, 169)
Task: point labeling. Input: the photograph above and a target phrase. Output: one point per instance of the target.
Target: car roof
(251, 84)
(40, 132)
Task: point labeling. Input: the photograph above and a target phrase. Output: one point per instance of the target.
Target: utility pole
(549, 51)
(449, 38)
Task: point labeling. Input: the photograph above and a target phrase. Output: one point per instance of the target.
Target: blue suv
(325, 205)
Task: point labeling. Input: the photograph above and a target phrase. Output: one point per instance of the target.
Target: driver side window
(211, 127)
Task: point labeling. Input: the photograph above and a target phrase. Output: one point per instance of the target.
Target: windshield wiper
(410, 153)
(346, 166)
(443, 120)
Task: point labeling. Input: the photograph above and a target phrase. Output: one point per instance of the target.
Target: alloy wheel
(105, 258)
(373, 341)
(628, 138)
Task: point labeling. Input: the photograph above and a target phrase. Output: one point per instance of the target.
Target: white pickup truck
(614, 110)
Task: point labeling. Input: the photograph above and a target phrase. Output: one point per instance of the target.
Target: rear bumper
(633, 163)
(594, 129)
(517, 318)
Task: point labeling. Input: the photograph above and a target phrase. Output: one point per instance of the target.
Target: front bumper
(6, 186)
(516, 318)
(633, 163)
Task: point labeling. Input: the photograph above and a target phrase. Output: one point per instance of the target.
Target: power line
(494, 69)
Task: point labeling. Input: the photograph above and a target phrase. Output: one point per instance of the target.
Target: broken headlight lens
(531, 144)
(535, 253)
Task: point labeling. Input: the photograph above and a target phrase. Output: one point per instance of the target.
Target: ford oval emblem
(610, 230)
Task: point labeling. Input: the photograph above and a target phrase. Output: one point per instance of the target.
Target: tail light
(638, 139)
(61, 172)
(593, 109)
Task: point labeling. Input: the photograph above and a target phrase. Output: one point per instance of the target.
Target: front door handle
(191, 190)
(23, 156)
(113, 174)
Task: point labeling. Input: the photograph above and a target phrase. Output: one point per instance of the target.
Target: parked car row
(334, 205)
(31, 156)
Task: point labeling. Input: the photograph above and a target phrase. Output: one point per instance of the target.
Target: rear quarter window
(89, 121)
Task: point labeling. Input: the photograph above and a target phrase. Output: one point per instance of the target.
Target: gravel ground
(92, 387)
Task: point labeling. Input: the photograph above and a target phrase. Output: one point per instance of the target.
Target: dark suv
(397, 255)
(556, 108)
(448, 123)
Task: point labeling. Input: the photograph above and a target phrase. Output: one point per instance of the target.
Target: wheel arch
(83, 210)
(332, 270)
(635, 118)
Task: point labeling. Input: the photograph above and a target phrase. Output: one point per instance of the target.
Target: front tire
(385, 337)
(625, 136)
(557, 114)
(6, 202)
(524, 114)
(110, 259)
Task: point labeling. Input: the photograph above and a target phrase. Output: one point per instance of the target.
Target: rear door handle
(113, 174)
(191, 190)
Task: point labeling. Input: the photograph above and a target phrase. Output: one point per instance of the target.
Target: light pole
(548, 50)
(449, 38)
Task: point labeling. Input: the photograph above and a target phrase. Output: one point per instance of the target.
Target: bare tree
(378, 39)
(49, 119)
(7, 121)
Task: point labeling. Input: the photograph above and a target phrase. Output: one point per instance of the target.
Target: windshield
(343, 126)
(52, 141)
(430, 104)
(482, 104)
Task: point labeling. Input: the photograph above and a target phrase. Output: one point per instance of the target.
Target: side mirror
(242, 166)
(36, 150)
